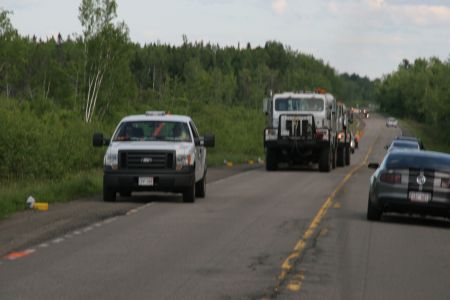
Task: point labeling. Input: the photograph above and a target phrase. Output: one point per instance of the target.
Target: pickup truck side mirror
(98, 140)
(209, 140)
(206, 141)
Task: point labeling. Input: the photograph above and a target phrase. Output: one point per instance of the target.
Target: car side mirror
(374, 165)
(98, 140)
(386, 147)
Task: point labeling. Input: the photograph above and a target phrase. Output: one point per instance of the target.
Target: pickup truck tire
(109, 195)
(271, 160)
(189, 194)
(200, 187)
(347, 155)
(325, 160)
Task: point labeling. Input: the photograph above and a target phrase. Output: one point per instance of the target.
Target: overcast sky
(367, 37)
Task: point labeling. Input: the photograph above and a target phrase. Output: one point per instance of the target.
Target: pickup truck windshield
(299, 104)
(153, 131)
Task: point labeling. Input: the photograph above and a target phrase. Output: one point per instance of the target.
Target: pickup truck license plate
(419, 197)
(145, 181)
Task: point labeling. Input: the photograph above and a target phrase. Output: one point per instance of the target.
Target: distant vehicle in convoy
(391, 122)
(352, 143)
(412, 139)
(343, 136)
(410, 182)
(403, 144)
(301, 128)
(155, 152)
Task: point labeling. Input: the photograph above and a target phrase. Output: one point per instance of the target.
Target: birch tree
(101, 41)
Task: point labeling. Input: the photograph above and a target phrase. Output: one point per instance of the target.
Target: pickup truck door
(200, 154)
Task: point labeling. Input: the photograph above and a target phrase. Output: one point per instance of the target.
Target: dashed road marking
(58, 240)
(89, 228)
(20, 254)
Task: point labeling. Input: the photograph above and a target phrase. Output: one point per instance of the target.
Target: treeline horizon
(419, 91)
(102, 70)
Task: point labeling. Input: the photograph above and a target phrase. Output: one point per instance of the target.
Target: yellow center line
(288, 264)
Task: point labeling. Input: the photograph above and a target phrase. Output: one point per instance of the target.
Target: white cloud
(376, 4)
(279, 6)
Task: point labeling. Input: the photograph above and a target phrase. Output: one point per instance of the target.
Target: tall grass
(47, 152)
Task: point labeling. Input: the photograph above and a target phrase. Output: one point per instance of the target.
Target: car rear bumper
(406, 206)
(174, 181)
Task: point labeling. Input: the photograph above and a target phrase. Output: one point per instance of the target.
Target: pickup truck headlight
(111, 160)
(271, 134)
(184, 160)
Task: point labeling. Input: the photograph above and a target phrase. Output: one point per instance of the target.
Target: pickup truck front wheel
(109, 195)
(189, 194)
(200, 187)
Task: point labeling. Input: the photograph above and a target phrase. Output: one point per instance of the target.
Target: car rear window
(405, 144)
(403, 160)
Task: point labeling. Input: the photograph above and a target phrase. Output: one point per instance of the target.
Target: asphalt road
(292, 234)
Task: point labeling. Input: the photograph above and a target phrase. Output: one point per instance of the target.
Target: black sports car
(410, 181)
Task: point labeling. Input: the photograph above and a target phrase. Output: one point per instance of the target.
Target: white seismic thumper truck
(301, 129)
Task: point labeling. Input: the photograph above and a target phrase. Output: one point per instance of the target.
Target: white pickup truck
(155, 152)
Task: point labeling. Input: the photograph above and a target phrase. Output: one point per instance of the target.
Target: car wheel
(373, 212)
(109, 195)
(200, 187)
(189, 194)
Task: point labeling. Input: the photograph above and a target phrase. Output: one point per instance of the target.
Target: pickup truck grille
(147, 160)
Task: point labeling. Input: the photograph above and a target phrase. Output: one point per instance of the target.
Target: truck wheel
(109, 195)
(347, 155)
(325, 160)
(271, 160)
(125, 194)
(373, 213)
(189, 194)
(200, 187)
(340, 157)
(333, 159)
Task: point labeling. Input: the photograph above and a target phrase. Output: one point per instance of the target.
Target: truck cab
(301, 128)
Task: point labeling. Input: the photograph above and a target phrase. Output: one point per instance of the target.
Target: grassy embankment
(433, 139)
(46, 151)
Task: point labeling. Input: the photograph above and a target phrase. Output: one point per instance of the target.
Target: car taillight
(391, 178)
(445, 183)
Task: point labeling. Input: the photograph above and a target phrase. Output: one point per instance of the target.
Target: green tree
(104, 45)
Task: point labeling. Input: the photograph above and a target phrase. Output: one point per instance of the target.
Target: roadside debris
(41, 206)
